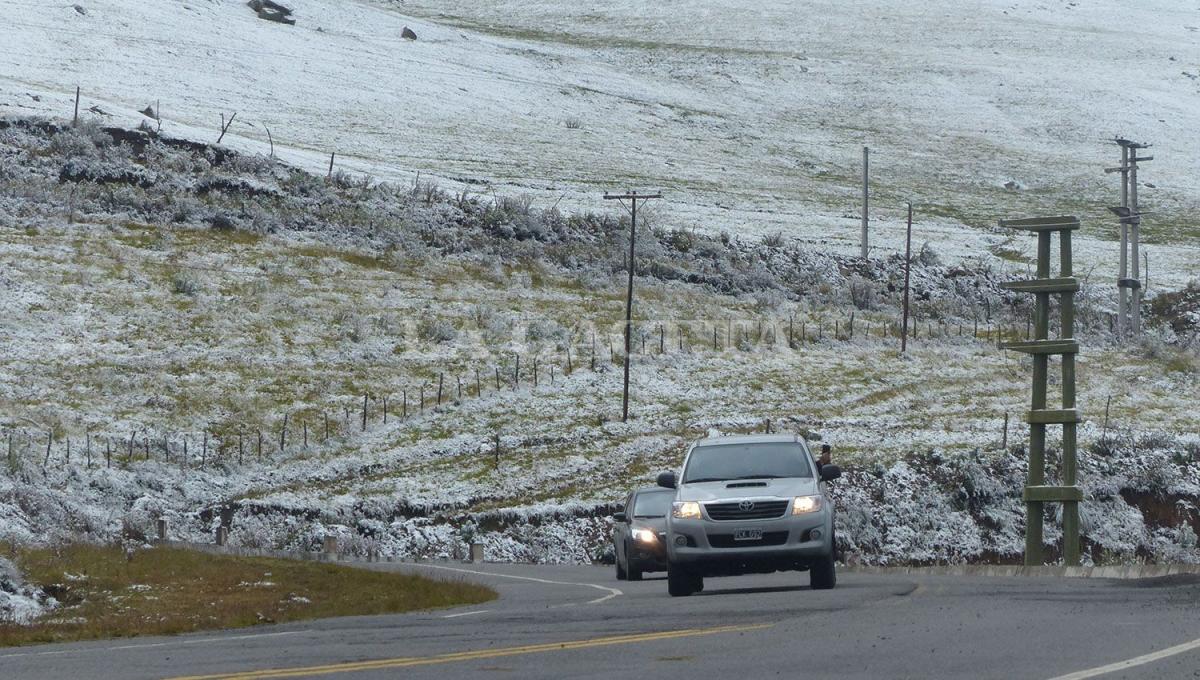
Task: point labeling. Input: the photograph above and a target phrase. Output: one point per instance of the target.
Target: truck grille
(726, 540)
(734, 511)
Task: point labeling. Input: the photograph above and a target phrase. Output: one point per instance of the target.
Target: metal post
(863, 250)
(1135, 295)
(1123, 292)
(629, 307)
(907, 267)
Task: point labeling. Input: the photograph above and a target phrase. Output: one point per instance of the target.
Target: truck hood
(747, 488)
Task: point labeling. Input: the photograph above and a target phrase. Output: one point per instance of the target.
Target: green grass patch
(165, 591)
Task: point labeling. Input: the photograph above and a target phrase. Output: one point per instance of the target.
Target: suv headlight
(806, 504)
(644, 536)
(685, 510)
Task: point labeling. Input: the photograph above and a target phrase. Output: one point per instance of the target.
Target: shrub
(863, 293)
(437, 330)
(183, 283)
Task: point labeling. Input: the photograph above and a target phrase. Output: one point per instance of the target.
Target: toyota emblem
(746, 506)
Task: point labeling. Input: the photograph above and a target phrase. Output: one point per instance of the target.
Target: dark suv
(639, 531)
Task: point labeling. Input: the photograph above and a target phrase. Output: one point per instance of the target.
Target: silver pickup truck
(749, 505)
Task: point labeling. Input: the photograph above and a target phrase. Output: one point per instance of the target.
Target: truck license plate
(747, 534)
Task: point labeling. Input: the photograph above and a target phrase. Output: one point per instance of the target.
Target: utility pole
(1042, 347)
(866, 165)
(907, 267)
(633, 197)
(1129, 306)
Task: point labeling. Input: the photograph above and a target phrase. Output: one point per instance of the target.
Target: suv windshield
(759, 460)
(653, 503)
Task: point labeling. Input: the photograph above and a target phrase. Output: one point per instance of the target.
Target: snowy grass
(107, 592)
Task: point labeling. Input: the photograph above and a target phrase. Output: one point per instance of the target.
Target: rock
(276, 16)
(272, 11)
(148, 112)
(408, 33)
(81, 10)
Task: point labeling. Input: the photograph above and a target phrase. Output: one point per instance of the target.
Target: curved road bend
(579, 622)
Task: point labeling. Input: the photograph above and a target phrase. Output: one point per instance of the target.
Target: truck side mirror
(666, 480)
(830, 472)
(620, 517)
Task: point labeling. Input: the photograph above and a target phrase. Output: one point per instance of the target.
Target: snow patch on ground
(20, 603)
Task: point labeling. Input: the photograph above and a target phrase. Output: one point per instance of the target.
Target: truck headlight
(644, 536)
(806, 504)
(685, 510)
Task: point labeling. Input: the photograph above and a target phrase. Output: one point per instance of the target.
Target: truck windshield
(760, 460)
(653, 503)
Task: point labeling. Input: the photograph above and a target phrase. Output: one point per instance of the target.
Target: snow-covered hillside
(749, 116)
(192, 334)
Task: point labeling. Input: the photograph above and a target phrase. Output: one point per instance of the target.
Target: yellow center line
(402, 662)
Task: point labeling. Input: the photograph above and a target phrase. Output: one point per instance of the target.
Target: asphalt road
(579, 622)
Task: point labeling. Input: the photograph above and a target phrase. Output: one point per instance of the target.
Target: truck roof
(749, 439)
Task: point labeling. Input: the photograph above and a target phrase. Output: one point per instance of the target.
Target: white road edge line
(612, 592)
(455, 616)
(148, 645)
(1130, 663)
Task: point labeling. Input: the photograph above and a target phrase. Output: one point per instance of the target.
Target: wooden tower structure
(1042, 347)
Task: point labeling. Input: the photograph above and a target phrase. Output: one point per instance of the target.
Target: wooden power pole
(1041, 347)
(633, 197)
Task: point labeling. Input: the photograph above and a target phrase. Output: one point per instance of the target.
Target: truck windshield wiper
(706, 479)
(760, 477)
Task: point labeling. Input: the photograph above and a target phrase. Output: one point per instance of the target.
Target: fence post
(1004, 438)
(162, 529)
(222, 535)
(364, 413)
(283, 433)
